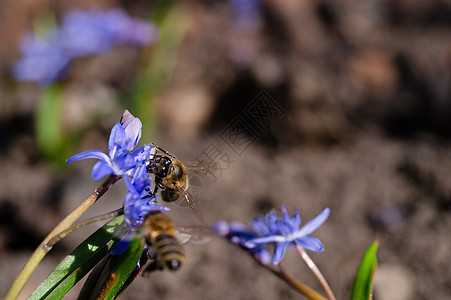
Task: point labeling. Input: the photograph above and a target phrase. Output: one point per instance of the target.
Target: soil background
(353, 102)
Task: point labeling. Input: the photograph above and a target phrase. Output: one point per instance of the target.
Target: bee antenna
(55, 239)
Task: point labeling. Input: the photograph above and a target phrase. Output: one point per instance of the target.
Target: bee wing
(201, 167)
(193, 202)
(182, 237)
(193, 234)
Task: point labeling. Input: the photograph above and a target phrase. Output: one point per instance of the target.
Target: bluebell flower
(43, 59)
(237, 233)
(285, 231)
(247, 13)
(91, 32)
(121, 161)
(137, 206)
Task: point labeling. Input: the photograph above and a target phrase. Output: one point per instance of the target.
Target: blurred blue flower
(90, 32)
(287, 230)
(237, 233)
(43, 61)
(247, 13)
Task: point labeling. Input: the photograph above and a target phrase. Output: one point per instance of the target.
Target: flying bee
(171, 176)
(164, 240)
(160, 235)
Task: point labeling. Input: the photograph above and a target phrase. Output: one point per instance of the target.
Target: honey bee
(171, 176)
(164, 240)
(160, 235)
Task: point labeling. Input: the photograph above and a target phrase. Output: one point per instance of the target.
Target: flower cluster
(271, 228)
(130, 165)
(45, 58)
(247, 13)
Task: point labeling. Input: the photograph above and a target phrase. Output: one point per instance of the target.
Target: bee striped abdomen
(161, 236)
(170, 251)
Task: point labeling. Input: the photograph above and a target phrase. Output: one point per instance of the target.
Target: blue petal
(117, 138)
(271, 220)
(286, 217)
(285, 228)
(314, 223)
(133, 132)
(279, 251)
(221, 228)
(265, 240)
(101, 169)
(296, 222)
(141, 180)
(132, 192)
(310, 243)
(142, 154)
(126, 116)
(263, 255)
(123, 161)
(237, 226)
(260, 227)
(89, 154)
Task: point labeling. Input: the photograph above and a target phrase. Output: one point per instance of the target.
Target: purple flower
(287, 230)
(121, 161)
(90, 32)
(138, 205)
(237, 233)
(247, 13)
(43, 59)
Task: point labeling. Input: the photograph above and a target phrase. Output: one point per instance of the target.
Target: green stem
(42, 250)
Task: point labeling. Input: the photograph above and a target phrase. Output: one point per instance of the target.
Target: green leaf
(77, 264)
(115, 272)
(363, 282)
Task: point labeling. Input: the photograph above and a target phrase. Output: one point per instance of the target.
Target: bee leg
(162, 150)
(153, 264)
(161, 186)
(149, 194)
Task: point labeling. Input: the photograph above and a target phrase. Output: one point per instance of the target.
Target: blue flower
(287, 230)
(92, 32)
(247, 13)
(43, 59)
(121, 161)
(138, 205)
(237, 233)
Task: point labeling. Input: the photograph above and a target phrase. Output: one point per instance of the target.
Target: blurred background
(343, 104)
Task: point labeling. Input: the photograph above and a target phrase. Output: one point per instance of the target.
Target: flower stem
(315, 271)
(291, 281)
(41, 250)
